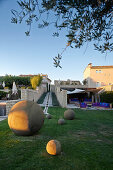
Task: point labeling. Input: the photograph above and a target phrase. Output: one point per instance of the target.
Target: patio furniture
(83, 105)
(105, 105)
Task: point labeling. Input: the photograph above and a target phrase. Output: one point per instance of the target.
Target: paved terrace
(2, 118)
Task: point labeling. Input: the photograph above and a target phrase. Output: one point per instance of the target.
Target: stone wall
(26, 94)
(10, 104)
(5, 90)
(61, 96)
(52, 88)
(32, 95)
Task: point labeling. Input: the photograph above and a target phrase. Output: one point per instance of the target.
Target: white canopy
(76, 91)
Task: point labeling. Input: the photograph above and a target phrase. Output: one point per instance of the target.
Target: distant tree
(84, 82)
(8, 79)
(36, 81)
(84, 20)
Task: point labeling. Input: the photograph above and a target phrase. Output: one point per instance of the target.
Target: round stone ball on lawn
(61, 121)
(69, 114)
(25, 118)
(48, 116)
(53, 147)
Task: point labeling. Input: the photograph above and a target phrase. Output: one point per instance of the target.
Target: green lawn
(41, 99)
(87, 143)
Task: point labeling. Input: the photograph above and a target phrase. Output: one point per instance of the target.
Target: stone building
(98, 76)
(61, 88)
(69, 84)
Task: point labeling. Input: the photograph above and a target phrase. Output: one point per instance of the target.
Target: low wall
(26, 94)
(9, 105)
(5, 90)
(32, 95)
(61, 96)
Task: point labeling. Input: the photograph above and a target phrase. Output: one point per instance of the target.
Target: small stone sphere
(69, 114)
(25, 118)
(48, 116)
(53, 147)
(61, 121)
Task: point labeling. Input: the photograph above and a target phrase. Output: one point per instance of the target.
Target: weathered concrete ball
(53, 147)
(69, 114)
(25, 118)
(61, 121)
(48, 116)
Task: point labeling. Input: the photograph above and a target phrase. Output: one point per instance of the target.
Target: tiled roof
(101, 67)
(31, 75)
(93, 89)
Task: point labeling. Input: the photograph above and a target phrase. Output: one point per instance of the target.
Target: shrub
(29, 87)
(6, 87)
(2, 94)
(1, 87)
(22, 87)
(107, 97)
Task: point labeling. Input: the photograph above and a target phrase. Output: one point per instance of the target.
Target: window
(98, 71)
(98, 84)
(102, 84)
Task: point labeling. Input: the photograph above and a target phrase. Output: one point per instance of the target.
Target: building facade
(69, 84)
(98, 76)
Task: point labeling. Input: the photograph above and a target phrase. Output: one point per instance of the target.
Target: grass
(54, 100)
(41, 99)
(87, 143)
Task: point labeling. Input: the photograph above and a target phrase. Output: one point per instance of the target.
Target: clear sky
(34, 54)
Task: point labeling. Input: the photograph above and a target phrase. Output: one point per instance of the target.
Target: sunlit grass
(87, 143)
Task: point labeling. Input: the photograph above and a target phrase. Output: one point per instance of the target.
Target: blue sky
(32, 55)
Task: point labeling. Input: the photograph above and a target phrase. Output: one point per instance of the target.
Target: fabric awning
(76, 91)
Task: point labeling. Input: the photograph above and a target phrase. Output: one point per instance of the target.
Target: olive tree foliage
(84, 20)
(36, 81)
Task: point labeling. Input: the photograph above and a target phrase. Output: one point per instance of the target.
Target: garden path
(48, 99)
(47, 102)
(2, 117)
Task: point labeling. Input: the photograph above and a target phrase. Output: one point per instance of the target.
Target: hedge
(107, 97)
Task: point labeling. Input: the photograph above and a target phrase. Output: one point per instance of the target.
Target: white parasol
(14, 88)
(3, 84)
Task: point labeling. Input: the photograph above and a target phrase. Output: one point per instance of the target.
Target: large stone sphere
(53, 147)
(69, 114)
(25, 118)
(61, 121)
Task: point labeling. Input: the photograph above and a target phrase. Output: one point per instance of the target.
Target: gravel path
(48, 99)
(2, 118)
(47, 102)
